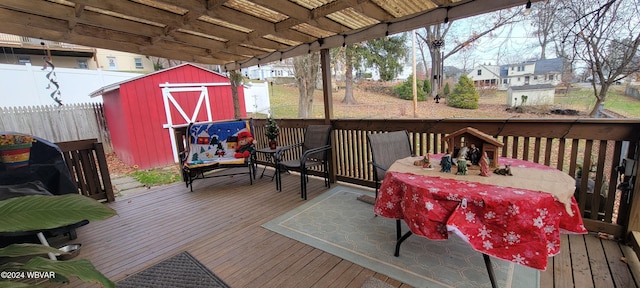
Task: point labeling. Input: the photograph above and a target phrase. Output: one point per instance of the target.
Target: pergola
(231, 33)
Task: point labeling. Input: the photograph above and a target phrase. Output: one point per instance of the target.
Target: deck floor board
(220, 224)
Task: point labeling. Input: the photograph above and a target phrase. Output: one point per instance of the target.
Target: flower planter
(273, 144)
(15, 155)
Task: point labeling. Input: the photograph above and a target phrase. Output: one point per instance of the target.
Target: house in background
(273, 72)
(486, 76)
(21, 50)
(142, 113)
(545, 71)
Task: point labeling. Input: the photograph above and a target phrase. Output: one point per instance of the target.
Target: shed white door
(199, 90)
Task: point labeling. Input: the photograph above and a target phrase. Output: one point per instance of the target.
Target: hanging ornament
(51, 76)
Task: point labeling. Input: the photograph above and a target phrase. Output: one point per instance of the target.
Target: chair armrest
(376, 165)
(281, 150)
(306, 154)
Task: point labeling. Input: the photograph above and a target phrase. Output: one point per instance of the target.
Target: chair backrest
(386, 148)
(317, 136)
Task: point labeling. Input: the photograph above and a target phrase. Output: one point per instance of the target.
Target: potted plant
(272, 131)
(15, 150)
(37, 212)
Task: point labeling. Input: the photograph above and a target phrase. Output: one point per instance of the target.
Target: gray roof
(548, 66)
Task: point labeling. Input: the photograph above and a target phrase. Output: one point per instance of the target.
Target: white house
(545, 71)
(486, 76)
(272, 70)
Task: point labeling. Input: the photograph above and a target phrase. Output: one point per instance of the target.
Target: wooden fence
(59, 123)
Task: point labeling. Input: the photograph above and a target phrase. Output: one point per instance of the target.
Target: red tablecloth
(513, 224)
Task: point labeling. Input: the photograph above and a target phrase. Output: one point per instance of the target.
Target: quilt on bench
(213, 145)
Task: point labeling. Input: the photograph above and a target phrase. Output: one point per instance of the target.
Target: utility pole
(415, 83)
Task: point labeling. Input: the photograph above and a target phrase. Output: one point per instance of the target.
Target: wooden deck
(219, 223)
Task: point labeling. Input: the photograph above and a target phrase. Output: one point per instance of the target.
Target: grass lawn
(284, 104)
(616, 101)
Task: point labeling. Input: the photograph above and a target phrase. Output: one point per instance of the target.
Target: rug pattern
(180, 271)
(336, 222)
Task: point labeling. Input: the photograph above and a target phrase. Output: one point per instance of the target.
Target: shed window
(138, 63)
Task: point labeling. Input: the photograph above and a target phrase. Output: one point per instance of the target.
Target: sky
(513, 43)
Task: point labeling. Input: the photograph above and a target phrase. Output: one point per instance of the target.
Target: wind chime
(51, 76)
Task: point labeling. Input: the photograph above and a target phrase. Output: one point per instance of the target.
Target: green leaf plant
(40, 212)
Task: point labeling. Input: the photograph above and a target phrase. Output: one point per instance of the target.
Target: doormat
(180, 271)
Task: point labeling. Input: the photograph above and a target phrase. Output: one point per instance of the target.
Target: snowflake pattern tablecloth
(513, 224)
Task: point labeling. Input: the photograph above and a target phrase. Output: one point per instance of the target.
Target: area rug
(336, 222)
(180, 271)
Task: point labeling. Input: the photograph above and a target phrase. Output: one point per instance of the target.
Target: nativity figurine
(474, 155)
(506, 171)
(462, 167)
(485, 169)
(445, 163)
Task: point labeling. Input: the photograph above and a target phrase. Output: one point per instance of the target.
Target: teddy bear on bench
(245, 145)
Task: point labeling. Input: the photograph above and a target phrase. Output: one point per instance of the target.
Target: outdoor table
(271, 159)
(515, 218)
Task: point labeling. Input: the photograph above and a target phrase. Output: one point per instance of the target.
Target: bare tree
(545, 20)
(348, 75)
(162, 63)
(235, 77)
(346, 59)
(306, 73)
(605, 37)
(434, 37)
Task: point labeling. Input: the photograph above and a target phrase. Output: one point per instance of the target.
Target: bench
(212, 146)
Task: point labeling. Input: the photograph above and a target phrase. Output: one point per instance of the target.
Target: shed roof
(116, 86)
(475, 132)
(233, 33)
(532, 87)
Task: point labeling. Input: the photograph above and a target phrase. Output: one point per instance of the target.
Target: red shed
(142, 112)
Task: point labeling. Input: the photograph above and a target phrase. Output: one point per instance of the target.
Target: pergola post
(325, 64)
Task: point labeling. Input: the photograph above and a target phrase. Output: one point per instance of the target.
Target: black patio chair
(314, 153)
(386, 148)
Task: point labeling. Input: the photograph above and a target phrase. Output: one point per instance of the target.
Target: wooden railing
(87, 165)
(566, 144)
